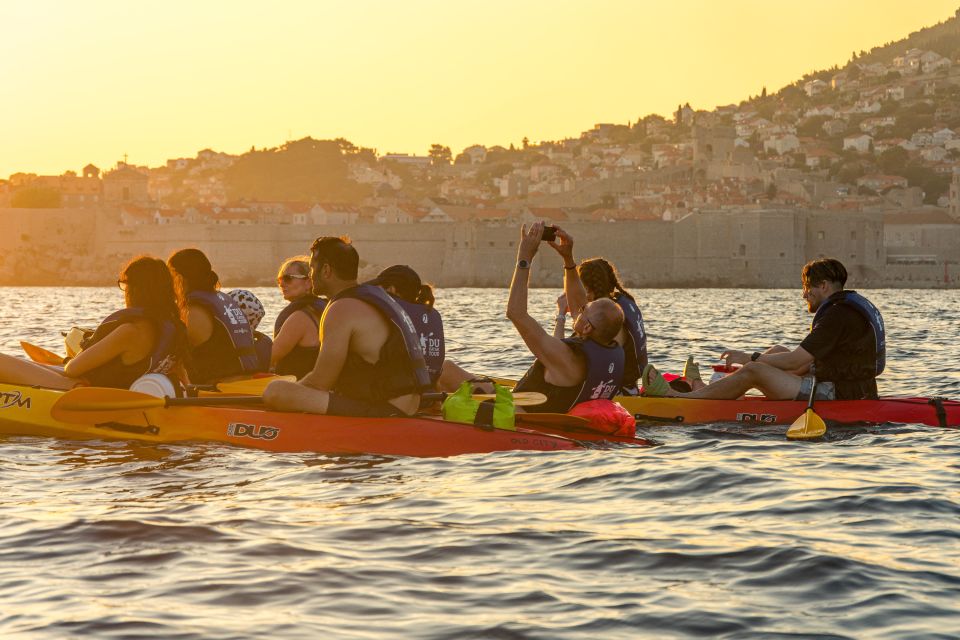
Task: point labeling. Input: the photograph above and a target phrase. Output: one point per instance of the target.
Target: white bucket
(154, 384)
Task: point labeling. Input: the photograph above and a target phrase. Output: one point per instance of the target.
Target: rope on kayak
(937, 403)
(646, 418)
(129, 428)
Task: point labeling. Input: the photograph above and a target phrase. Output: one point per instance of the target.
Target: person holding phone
(588, 366)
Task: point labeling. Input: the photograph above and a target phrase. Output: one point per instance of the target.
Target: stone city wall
(756, 249)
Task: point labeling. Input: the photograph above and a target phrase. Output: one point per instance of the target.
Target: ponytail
(425, 295)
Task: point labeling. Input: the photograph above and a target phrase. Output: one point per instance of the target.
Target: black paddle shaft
(203, 401)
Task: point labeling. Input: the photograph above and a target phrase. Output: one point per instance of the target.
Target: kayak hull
(27, 411)
(758, 410)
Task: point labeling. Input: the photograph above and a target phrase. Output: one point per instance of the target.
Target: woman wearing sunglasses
(296, 333)
(147, 336)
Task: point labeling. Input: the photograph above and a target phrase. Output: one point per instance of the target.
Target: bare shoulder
(347, 308)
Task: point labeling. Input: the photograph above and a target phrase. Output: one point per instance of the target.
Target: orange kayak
(27, 411)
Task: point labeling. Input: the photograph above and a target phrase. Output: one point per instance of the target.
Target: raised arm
(551, 351)
(572, 286)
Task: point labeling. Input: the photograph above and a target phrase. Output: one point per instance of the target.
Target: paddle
(809, 425)
(41, 355)
(250, 386)
(86, 405)
(520, 398)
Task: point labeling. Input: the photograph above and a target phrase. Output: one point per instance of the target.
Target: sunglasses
(287, 278)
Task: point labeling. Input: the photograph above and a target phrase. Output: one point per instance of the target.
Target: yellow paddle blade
(251, 386)
(93, 405)
(520, 398)
(505, 382)
(807, 427)
(40, 355)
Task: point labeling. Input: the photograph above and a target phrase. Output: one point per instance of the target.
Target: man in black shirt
(846, 344)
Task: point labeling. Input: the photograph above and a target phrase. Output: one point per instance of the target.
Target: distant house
(922, 138)
(334, 213)
(834, 127)
(880, 183)
(860, 144)
(477, 153)
(934, 154)
(872, 125)
(815, 87)
(820, 158)
(781, 144)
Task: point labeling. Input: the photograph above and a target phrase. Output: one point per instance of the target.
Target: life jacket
(116, 374)
(870, 313)
(603, 380)
(401, 368)
(429, 326)
(309, 302)
(264, 348)
(633, 323)
(301, 360)
(234, 355)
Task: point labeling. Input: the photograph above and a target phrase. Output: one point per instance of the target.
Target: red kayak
(935, 412)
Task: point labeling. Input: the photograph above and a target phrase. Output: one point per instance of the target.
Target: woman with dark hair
(594, 279)
(221, 339)
(147, 336)
(416, 298)
(296, 332)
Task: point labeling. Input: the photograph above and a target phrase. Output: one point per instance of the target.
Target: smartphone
(549, 234)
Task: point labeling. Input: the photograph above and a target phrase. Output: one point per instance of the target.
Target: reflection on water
(720, 531)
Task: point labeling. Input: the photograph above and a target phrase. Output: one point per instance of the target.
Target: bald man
(588, 366)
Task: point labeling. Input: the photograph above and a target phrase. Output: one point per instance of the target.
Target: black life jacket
(605, 365)
(309, 302)
(264, 348)
(637, 345)
(400, 370)
(233, 352)
(429, 326)
(878, 338)
(116, 374)
(301, 360)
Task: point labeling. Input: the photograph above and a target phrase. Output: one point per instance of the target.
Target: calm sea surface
(717, 532)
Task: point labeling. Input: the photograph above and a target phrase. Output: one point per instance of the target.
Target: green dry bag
(493, 413)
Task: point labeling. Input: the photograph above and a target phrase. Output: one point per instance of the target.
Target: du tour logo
(14, 399)
(257, 432)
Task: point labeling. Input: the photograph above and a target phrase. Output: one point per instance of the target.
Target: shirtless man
(370, 362)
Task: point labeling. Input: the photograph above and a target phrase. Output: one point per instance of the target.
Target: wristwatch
(523, 264)
(756, 356)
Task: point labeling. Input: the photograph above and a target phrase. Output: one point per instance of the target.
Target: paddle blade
(520, 398)
(251, 386)
(807, 427)
(92, 405)
(40, 355)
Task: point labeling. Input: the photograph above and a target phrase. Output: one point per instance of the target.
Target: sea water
(720, 531)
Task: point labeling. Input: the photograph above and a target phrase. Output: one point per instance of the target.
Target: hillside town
(874, 144)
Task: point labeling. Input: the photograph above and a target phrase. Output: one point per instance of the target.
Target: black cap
(401, 277)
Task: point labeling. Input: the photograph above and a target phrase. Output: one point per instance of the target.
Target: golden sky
(90, 81)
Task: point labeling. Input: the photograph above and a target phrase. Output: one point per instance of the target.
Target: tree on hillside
(894, 160)
(933, 184)
(440, 155)
(306, 170)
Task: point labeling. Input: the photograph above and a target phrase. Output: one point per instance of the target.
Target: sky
(95, 81)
